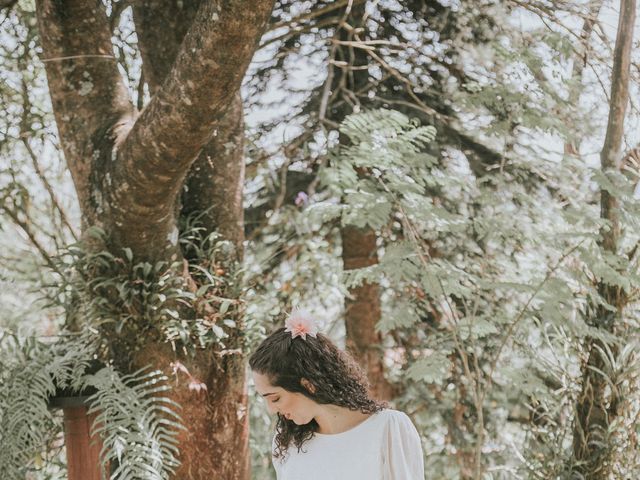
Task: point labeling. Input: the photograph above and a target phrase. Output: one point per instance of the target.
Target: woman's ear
(308, 385)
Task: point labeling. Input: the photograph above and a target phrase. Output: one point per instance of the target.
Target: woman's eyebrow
(267, 394)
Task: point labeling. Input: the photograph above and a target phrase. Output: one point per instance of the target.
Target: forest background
(452, 186)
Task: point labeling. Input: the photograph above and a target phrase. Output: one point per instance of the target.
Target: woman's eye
(276, 400)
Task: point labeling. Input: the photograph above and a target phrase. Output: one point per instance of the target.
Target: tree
(138, 174)
(599, 405)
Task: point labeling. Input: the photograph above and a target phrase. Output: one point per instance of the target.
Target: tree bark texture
(90, 101)
(137, 173)
(362, 309)
(129, 169)
(214, 183)
(597, 405)
(215, 444)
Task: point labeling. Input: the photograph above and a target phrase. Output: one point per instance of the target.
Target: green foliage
(30, 374)
(432, 369)
(136, 422)
(397, 164)
(147, 446)
(489, 282)
(489, 279)
(113, 303)
(131, 302)
(216, 284)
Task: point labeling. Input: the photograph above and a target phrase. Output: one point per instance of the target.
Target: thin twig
(27, 230)
(526, 307)
(478, 393)
(47, 185)
(315, 13)
(326, 90)
(71, 57)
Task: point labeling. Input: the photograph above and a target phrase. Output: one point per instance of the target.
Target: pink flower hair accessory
(301, 323)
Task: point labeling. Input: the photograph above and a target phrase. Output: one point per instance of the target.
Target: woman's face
(293, 406)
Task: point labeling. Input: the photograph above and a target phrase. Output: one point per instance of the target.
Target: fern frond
(137, 424)
(32, 372)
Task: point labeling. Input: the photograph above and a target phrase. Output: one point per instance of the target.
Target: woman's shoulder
(396, 419)
(393, 414)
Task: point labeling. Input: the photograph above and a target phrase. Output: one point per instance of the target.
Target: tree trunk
(130, 170)
(363, 309)
(212, 190)
(597, 405)
(362, 306)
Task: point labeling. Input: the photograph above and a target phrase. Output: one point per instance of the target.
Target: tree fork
(213, 190)
(129, 171)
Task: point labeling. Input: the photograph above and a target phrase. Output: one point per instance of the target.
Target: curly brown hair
(338, 379)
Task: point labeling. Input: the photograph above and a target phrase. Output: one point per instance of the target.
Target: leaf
(225, 306)
(398, 251)
(403, 315)
(431, 284)
(433, 369)
(513, 286)
(96, 232)
(604, 181)
(524, 379)
(366, 209)
(355, 277)
(218, 331)
(322, 212)
(135, 423)
(477, 327)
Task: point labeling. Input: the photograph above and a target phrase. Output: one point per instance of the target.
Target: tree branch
(54, 198)
(24, 226)
(7, 4)
(216, 179)
(87, 91)
(181, 117)
(579, 63)
(161, 26)
(213, 187)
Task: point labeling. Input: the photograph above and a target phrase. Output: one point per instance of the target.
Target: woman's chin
(297, 422)
(303, 423)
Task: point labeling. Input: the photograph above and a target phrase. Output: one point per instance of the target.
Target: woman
(328, 427)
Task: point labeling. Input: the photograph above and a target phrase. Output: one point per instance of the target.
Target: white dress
(386, 446)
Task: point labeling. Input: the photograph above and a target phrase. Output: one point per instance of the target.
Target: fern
(380, 126)
(106, 296)
(138, 426)
(31, 374)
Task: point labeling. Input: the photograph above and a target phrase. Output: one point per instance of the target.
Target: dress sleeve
(402, 450)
